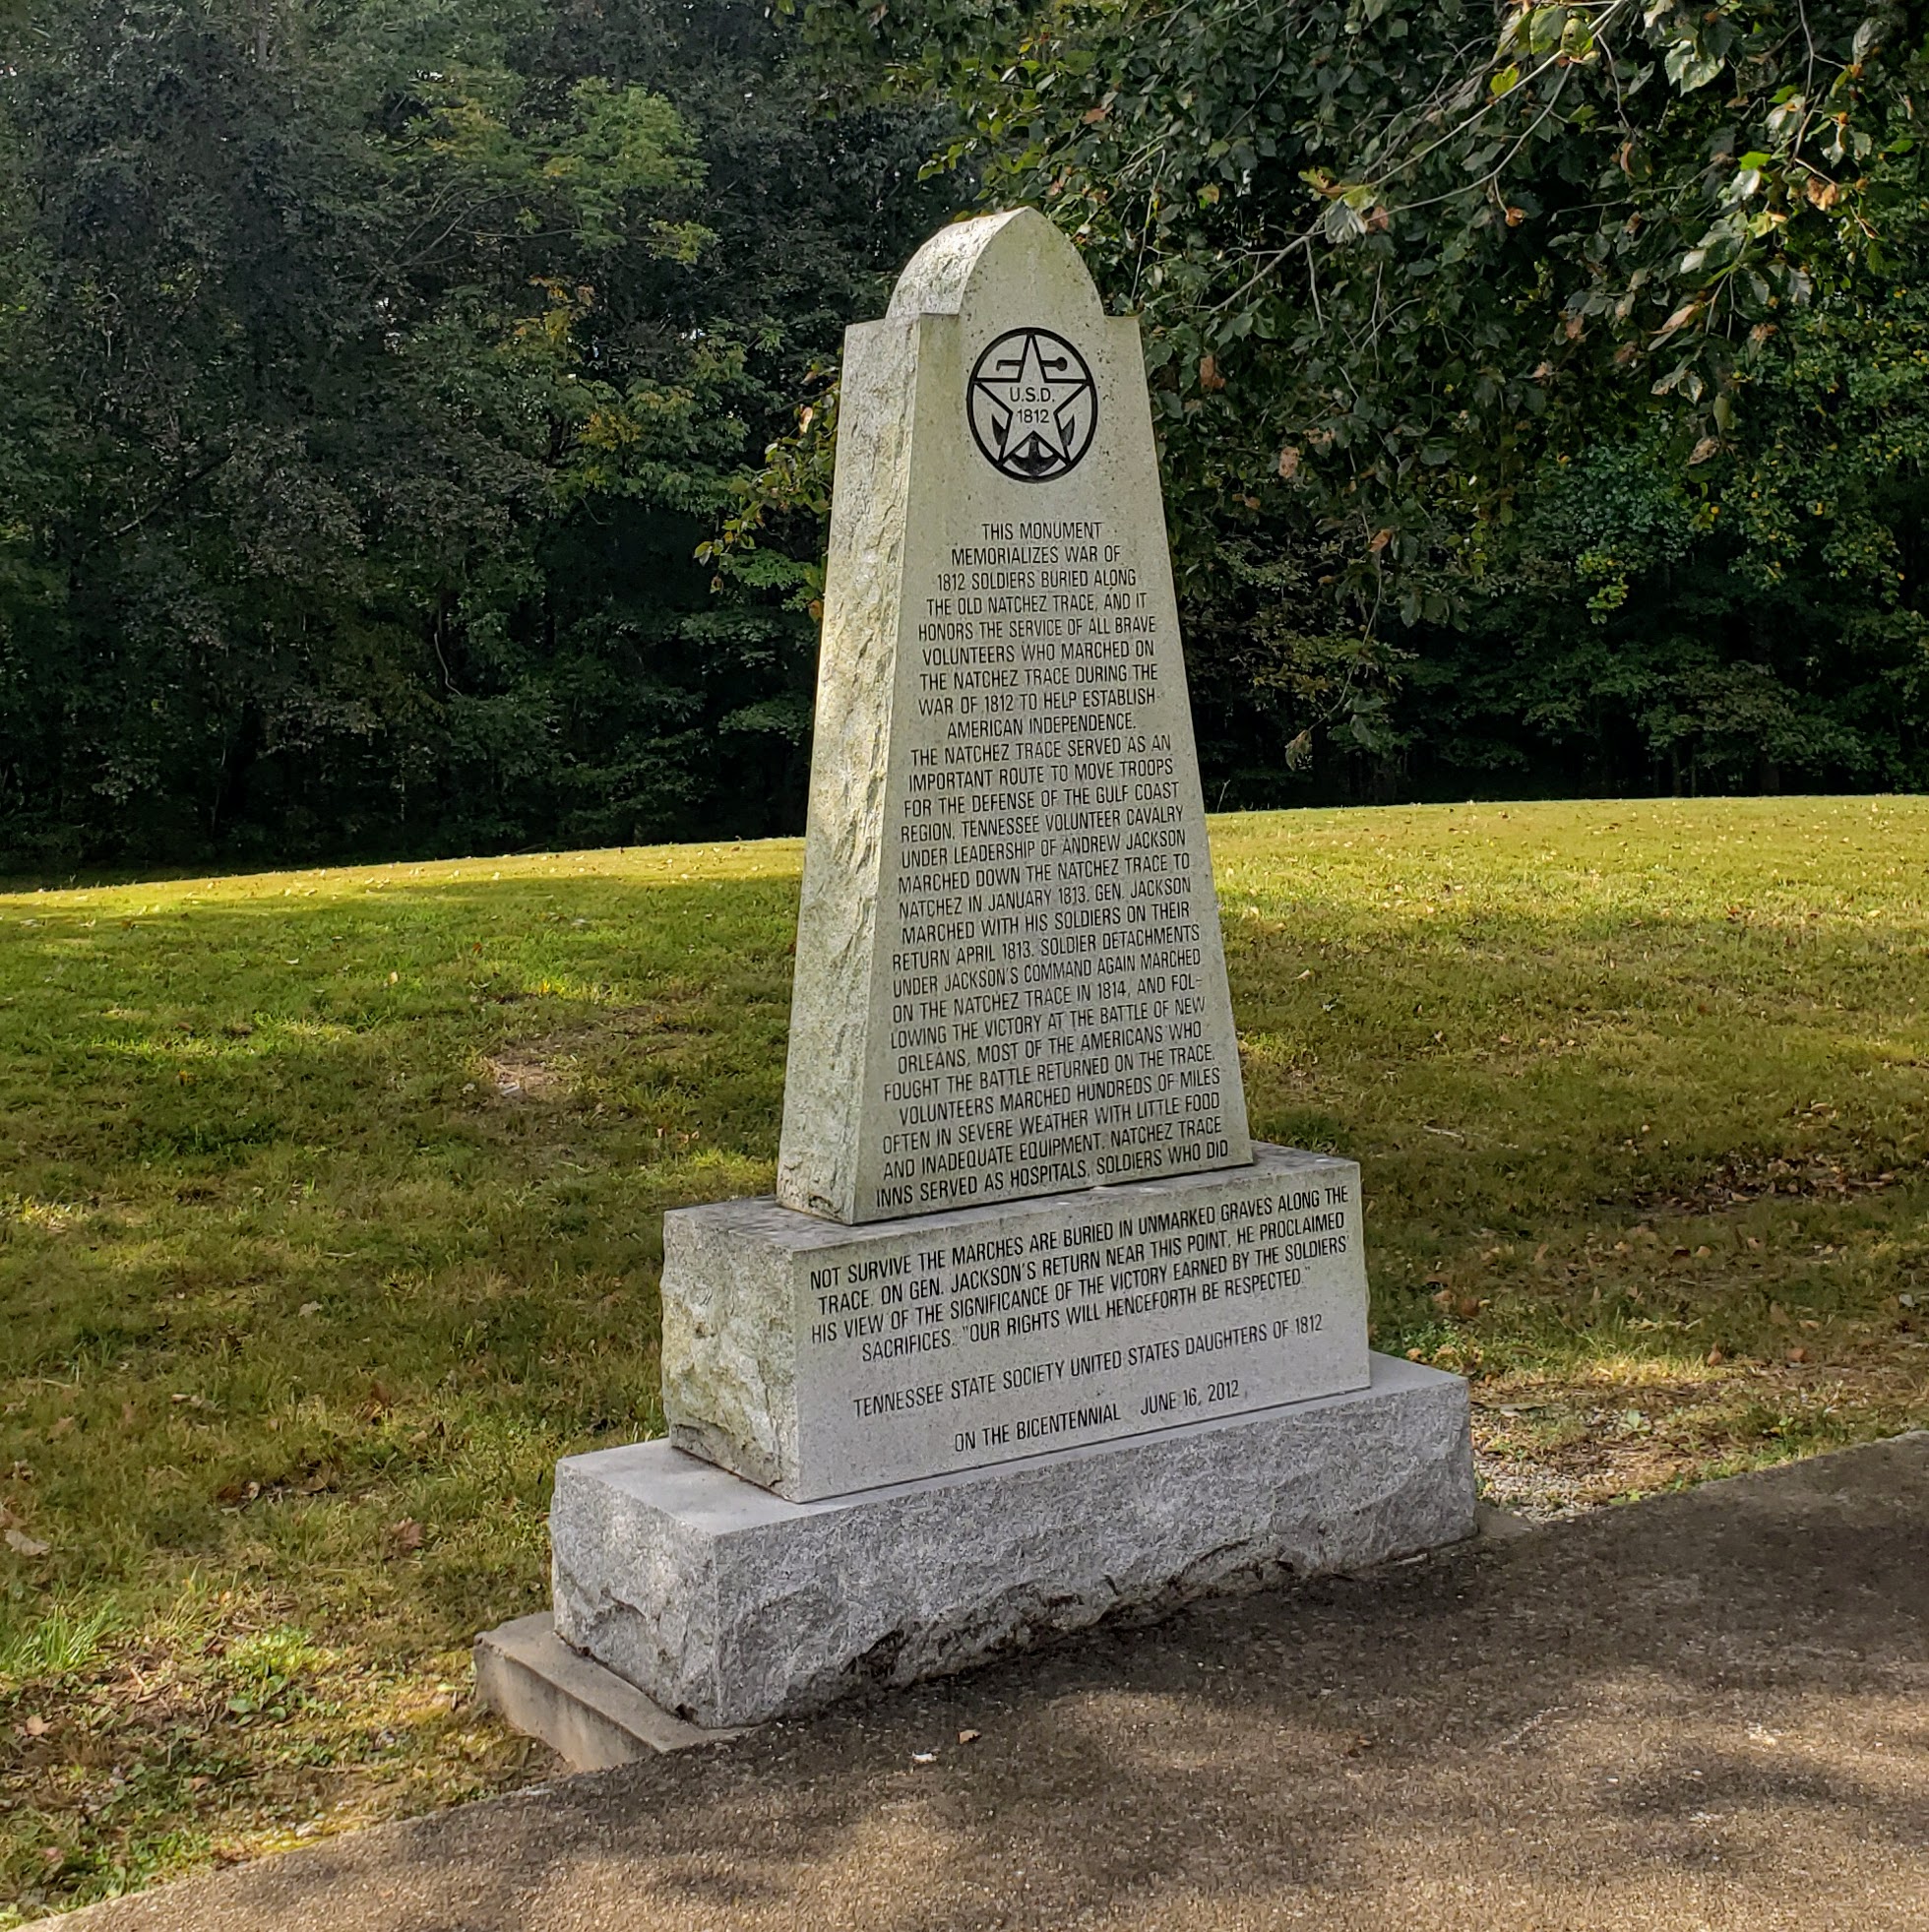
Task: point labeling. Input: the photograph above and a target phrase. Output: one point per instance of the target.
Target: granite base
(728, 1606)
(790, 1342)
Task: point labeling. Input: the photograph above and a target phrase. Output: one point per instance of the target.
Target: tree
(373, 374)
(1403, 267)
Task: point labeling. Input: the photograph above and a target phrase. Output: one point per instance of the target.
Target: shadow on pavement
(1709, 1710)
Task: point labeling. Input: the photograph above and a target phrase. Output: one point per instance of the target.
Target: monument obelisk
(1007, 861)
(1032, 1331)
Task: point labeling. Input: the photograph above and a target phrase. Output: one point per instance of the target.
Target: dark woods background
(372, 372)
(1544, 396)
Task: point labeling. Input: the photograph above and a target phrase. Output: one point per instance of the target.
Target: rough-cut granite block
(817, 1359)
(728, 1606)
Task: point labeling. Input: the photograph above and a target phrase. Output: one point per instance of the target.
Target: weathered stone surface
(727, 1606)
(816, 1360)
(1008, 950)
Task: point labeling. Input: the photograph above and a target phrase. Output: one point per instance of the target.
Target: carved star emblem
(1032, 405)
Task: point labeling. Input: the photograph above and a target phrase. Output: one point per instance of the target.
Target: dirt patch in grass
(1746, 1178)
(1552, 1451)
(522, 1073)
(588, 1061)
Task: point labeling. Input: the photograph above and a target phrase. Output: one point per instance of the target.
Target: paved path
(1706, 1711)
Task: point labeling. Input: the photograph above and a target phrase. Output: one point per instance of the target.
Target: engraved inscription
(1038, 1331)
(1046, 892)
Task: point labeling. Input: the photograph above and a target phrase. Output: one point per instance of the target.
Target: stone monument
(1033, 1333)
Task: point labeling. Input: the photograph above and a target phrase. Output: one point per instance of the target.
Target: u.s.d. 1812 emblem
(1034, 406)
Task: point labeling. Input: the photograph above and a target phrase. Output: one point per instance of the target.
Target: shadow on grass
(330, 1221)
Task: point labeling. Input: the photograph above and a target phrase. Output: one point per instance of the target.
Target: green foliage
(60, 1643)
(373, 373)
(1753, 622)
(417, 421)
(1403, 274)
(1408, 250)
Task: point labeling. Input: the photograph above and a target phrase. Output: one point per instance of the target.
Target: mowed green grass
(330, 1217)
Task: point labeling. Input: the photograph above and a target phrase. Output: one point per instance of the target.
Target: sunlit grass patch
(332, 1216)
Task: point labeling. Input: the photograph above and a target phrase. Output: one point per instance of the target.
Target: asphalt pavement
(1709, 1710)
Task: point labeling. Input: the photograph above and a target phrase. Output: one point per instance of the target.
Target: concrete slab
(1707, 1711)
(590, 1717)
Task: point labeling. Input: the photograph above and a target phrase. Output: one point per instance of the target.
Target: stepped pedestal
(1037, 1335)
(729, 1605)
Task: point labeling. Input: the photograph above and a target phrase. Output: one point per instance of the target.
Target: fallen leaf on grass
(60, 1429)
(407, 1536)
(970, 1737)
(21, 1544)
(37, 1727)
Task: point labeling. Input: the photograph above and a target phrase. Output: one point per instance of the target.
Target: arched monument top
(1017, 245)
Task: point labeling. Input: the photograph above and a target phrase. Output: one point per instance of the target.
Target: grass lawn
(330, 1218)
